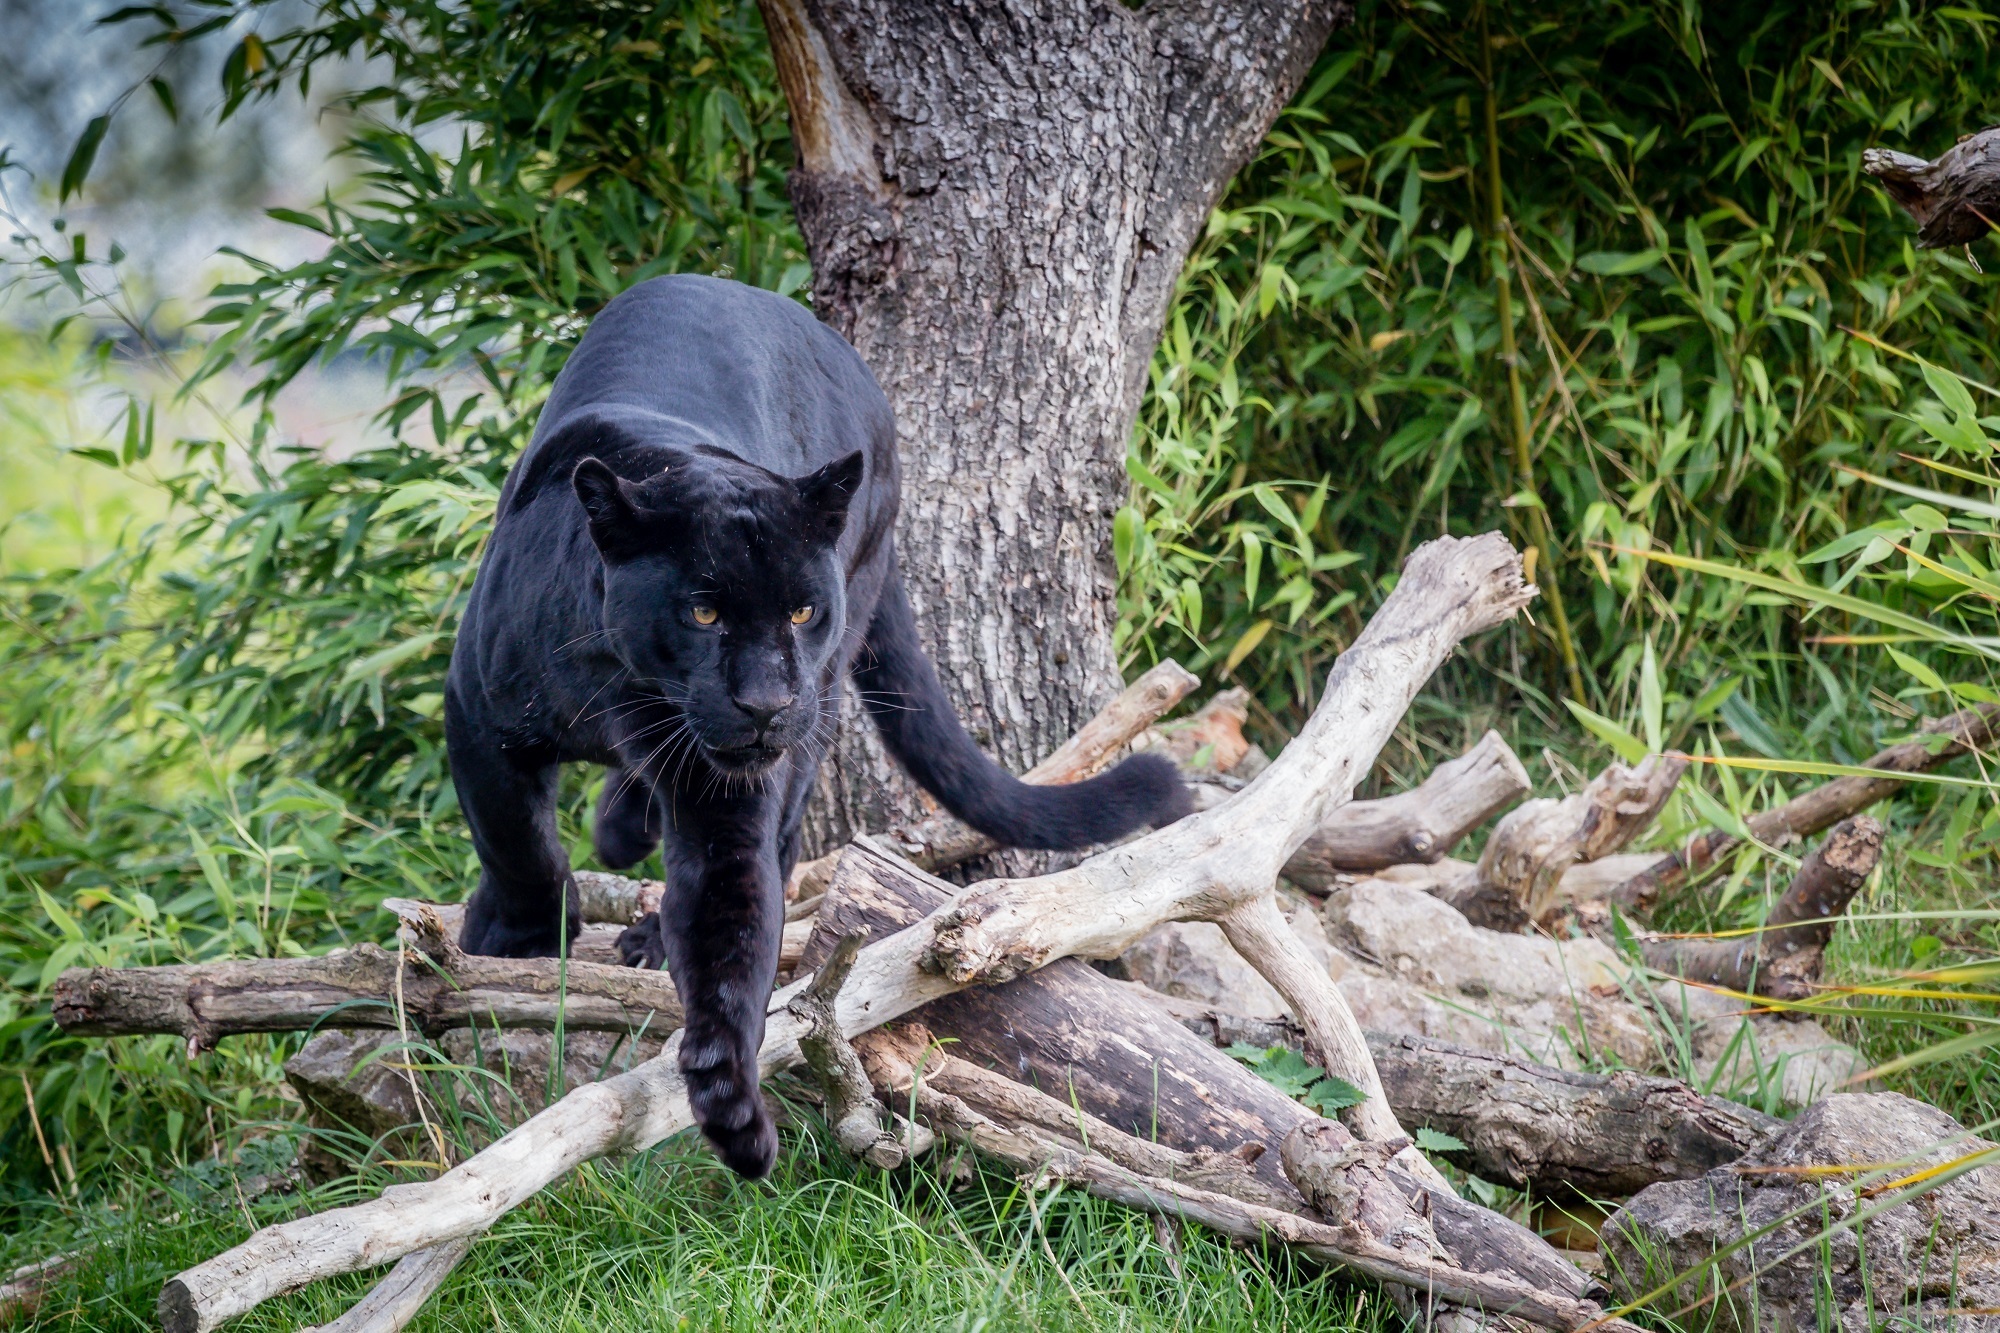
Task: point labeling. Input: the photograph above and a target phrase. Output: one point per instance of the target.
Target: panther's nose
(760, 708)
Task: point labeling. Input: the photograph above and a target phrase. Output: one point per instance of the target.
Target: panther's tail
(900, 689)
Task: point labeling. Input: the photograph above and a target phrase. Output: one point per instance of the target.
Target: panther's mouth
(752, 758)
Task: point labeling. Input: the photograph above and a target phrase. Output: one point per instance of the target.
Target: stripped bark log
(1824, 806)
(1207, 864)
(393, 1302)
(1421, 825)
(1783, 959)
(1521, 871)
(1198, 870)
(1115, 1052)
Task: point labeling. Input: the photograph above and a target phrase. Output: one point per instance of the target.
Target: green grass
(669, 1240)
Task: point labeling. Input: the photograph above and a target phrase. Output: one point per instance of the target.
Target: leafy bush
(1707, 299)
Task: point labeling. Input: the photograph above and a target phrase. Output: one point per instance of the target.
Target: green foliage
(668, 1241)
(1707, 297)
(225, 731)
(1287, 1071)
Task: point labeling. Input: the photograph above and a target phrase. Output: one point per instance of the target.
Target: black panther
(693, 551)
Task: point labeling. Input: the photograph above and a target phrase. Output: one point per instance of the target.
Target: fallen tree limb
(1209, 864)
(1115, 1052)
(393, 1302)
(361, 988)
(1519, 881)
(1824, 806)
(1783, 959)
(1559, 1133)
(24, 1288)
(1205, 867)
(1420, 825)
(1954, 200)
(851, 1109)
(1381, 1234)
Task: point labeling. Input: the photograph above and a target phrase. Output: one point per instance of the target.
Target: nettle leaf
(1435, 1140)
(1330, 1096)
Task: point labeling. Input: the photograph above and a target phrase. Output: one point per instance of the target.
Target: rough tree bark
(998, 196)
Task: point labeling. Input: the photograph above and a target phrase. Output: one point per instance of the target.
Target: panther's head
(723, 593)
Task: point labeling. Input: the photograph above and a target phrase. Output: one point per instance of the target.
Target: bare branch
(1783, 959)
(1421, 825)
(1824, 806)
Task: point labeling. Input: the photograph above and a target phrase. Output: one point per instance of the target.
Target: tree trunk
(998, 197)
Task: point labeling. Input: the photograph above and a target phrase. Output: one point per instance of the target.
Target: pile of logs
(969, 1003)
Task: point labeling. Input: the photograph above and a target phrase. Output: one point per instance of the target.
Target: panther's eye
(802, 615)
(705, 615)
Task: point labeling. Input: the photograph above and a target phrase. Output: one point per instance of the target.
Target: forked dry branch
(1221, 864)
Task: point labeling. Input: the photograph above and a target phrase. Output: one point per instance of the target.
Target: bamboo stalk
(1522, 437)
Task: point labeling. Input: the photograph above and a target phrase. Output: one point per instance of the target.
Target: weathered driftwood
(1521, 872)
(851, 1109)
(1203, 868)
(1219, 863)
(1116, 1052)
(941, 840)
(393, 1302)
(1420, 825)
(365, 987)
(1556, 1132)
(1380, 1231)
(1824, 806)
(1954, 200)
(1783, 959)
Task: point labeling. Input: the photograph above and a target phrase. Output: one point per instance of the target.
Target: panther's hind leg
(628, 820)
(525, 905)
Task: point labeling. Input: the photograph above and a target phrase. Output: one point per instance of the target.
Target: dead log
(1520, 875)
(364, 987)
(1382, 1232)
(22, 1292)
(1783, 959)
(1117, 1053)
(1556, 1132)
(1221, 864)
(1421, 825)
(1944, 739)
(1954, 200)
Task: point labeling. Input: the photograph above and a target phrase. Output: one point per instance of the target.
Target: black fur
(709, 448)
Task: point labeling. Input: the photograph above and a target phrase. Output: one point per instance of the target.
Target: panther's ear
(608, 501)
(829, 491)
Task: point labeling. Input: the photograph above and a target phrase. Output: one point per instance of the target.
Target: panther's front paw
(730, 1110)
(642, 945)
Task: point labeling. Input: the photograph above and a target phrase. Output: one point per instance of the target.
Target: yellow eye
(705, 615)
(802, 615)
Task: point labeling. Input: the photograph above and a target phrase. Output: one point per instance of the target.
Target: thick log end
(178, 1311)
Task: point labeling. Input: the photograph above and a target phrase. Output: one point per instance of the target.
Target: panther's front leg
(719, 927)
